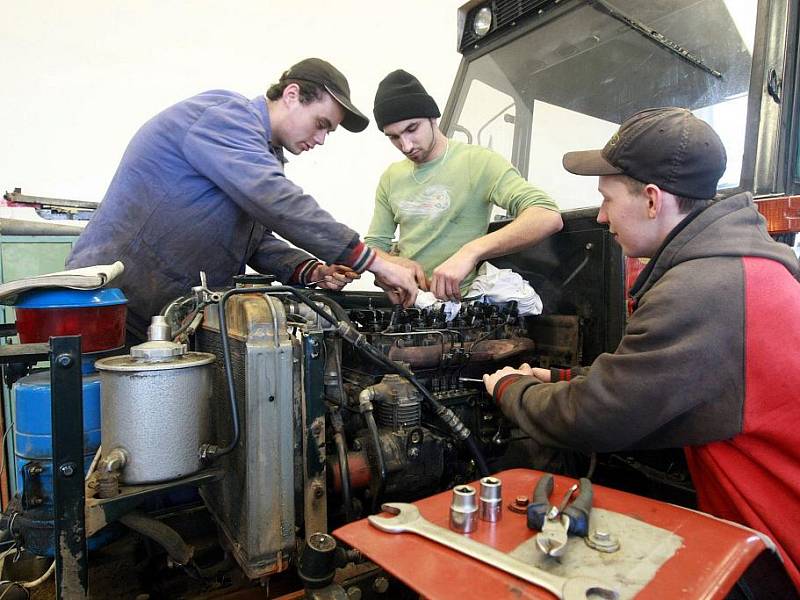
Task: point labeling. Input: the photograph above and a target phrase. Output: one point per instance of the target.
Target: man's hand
(397, 280)
(333, 277)
(490, 381)
(395, 297)
(542, 375)
(413, 266)
(447, 277)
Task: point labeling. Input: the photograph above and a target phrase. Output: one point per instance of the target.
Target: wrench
(409, 520)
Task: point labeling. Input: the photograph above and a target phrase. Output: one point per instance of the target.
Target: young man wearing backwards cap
(709, 359)
(201, 187)
(441, 195)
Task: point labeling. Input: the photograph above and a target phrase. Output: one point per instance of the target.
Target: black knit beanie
(400, 96)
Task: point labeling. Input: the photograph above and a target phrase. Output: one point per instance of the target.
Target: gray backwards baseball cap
(325, 74)
(668, 147)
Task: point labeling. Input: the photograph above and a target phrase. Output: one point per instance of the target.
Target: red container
(98, 316)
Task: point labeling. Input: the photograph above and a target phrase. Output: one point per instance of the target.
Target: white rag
(493, 285)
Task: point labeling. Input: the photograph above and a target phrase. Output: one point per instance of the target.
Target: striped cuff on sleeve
(361, 257)
(560, 374)
(303, 271)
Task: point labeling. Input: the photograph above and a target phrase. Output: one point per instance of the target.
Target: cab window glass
(489, 122)
(573, 79)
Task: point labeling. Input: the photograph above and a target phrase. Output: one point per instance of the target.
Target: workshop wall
(79, 78)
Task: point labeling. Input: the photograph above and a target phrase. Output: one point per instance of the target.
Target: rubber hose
(376, 441)
(11, 590)
(335, 307)
(344, 475)
(480, 461)
(21, 523)
(164, 535)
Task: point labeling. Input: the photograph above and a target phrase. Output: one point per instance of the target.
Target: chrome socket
(464, 509)
(491, 499)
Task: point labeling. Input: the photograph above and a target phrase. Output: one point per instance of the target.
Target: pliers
(556, 523)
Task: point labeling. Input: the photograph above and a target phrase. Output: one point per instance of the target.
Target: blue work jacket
(201, 188)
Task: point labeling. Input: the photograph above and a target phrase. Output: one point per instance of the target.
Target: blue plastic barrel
(33, 440)
(33, 432)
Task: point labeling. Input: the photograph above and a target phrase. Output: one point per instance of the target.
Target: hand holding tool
(407, 519)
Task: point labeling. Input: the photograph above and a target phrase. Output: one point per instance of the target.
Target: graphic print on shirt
(431, 202)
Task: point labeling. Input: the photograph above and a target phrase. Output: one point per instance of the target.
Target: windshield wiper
(654, 35)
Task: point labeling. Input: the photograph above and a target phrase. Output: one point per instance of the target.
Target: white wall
(79, 78)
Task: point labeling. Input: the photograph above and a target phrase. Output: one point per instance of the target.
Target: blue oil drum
(33, 434)
(33, 448)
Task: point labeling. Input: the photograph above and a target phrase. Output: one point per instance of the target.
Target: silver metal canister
(464, 509)
(155, 407)
(491, 499)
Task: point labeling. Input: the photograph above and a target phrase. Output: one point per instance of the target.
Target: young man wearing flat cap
(441, 195)
(201, 187)
(709, 359)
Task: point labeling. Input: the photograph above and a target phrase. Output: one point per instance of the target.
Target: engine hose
(13, 590)
(376, 442)
(40, 580)
(188, 323)
(344, 467)
(165, 536)
(15, 522)
(177, 302)
(334, 306)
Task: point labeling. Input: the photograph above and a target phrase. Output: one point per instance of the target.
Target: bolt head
(380, 585)
(602, 541)
(67, 469)
(64, 360)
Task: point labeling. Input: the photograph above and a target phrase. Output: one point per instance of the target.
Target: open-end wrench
(407, 519)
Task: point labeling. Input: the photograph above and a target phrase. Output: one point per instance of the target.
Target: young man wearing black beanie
(441, 195)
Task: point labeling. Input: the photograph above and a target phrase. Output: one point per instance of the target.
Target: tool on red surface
(491, 499)
(556, 522)
(408, 519)
(463, 509)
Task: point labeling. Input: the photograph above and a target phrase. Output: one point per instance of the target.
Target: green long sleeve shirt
(444, 204)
